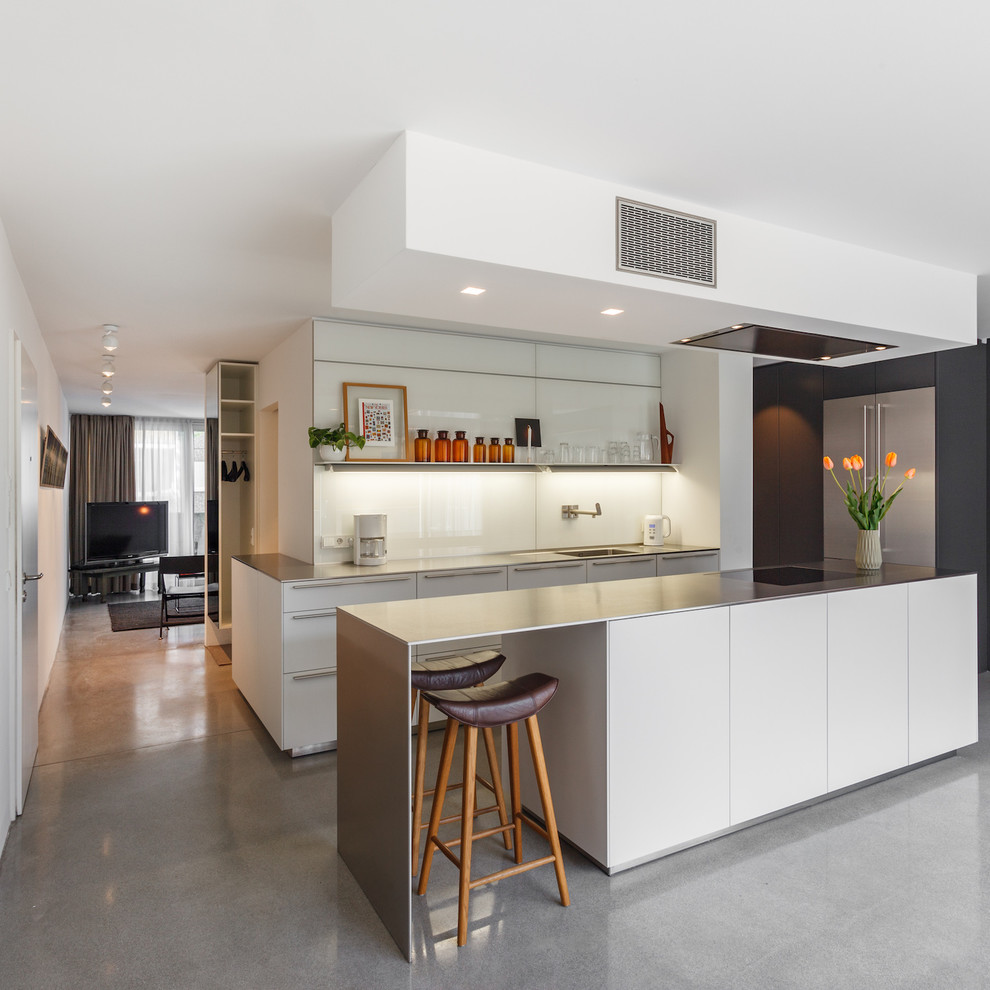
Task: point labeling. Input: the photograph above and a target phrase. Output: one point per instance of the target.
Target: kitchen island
(689, 706)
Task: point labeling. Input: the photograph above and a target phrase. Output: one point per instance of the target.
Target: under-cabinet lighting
(471, 290)
(825, 357)
(612, 312)
(880, 347)
(685, 340)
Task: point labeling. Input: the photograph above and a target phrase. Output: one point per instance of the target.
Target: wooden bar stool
(444, 674)
(506, 703)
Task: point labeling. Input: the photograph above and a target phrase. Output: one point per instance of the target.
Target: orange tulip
(827, 461)
(857, 462)
(847, 465)
(892, 459)
(910, 473)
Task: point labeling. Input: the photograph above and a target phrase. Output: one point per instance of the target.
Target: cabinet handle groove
(619, 560)
(547, 567)
(318, 673)
(344, 582)
(460, 574)
(315, 615)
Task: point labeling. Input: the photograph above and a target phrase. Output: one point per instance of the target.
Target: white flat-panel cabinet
(622, 568)
(778, 705)
(687, 563)
(547, 575)
(668, 760)
(472, 581)
(867, 683)
(941, 667)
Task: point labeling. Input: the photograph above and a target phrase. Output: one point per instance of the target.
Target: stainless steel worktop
(283, 568)
(499, 612)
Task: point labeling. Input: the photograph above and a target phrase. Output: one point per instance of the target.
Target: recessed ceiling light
(739, 326)
(612, 312)
(105, 403)
(472, 290)
(110, 336)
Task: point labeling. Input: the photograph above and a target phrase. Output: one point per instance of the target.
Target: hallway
(166, 843)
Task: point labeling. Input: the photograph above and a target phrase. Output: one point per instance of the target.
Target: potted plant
(333, 441)
(867, 504)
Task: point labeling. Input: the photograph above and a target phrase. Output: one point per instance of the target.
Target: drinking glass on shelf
(624, 454)
(565, 453)
(591, 454)
(612, 456)
(577, 454)
(547, 456)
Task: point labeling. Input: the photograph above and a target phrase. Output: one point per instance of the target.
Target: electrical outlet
(337, 542)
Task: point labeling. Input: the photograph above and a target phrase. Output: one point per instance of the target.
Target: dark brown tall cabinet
(788, 503)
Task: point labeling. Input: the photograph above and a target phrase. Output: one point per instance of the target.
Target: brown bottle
(508, 451)
(441, 447)
(479, 452)
(494, 452)
(460, 447)
(422, 446)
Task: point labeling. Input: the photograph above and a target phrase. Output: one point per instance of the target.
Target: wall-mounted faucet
(572, 511)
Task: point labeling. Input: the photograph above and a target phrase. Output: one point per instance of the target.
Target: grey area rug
(125, 616)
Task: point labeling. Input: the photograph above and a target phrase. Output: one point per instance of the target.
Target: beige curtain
(101, 469)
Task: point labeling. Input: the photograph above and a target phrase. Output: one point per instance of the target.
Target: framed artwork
(377, 413)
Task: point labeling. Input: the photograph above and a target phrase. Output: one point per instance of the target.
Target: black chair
(183, 598)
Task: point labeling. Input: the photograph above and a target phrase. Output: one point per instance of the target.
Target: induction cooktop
(785, 576)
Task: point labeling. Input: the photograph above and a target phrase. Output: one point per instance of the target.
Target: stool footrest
(457, 817)
(511, 871)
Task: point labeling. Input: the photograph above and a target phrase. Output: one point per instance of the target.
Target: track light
(107, 386)
(110, 337)
(105, 402)
(108, 369)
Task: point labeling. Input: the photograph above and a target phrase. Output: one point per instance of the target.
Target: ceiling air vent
(664, 244)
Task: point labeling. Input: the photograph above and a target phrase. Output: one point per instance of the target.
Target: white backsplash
(450, 513)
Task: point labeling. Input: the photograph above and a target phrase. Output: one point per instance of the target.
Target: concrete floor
(167, 843)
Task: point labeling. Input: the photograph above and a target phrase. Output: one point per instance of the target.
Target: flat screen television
(125, 530)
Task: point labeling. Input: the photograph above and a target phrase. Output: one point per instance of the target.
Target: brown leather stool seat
(451, 673)
(506, 703)
(492, 705)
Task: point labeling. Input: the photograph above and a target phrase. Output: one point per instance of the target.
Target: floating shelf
(542, 468)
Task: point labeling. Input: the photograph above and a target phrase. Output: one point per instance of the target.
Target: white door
(26, 650)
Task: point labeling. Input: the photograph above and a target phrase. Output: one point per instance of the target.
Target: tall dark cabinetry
(788, 503)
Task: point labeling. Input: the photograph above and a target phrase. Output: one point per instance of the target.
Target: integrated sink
(599, 552)
(784, 576)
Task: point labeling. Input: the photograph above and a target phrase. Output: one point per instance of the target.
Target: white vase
(329, 453)
(869, 556)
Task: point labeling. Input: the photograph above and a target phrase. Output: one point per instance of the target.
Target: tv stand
(104, 571)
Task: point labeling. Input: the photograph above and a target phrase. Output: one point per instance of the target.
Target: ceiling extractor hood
(791, 345)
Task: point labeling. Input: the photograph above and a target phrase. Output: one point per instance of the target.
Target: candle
(529, 444)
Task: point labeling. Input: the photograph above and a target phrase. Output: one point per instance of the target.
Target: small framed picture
(377, 413)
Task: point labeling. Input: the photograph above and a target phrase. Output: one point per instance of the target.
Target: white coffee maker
(370, 538)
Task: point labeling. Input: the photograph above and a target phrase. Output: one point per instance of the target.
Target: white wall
(17, 316)
(285, 379)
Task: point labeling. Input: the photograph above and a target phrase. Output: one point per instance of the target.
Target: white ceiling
(172, 166)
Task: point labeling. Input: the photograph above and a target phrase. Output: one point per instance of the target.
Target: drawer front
(309, 709)
(436, 584)
(695, 563)
(547, 575)
(309, 640)
(300, 596)
(622, 568)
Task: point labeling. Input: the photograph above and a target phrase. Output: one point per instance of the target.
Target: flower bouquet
(867, 504)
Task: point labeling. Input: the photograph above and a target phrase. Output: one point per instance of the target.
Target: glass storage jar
(441, 447)
(422, 446)
(509, 451)
(479, 453)
(460, 447)
(494, 451)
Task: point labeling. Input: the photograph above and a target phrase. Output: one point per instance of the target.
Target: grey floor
(167, 843)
